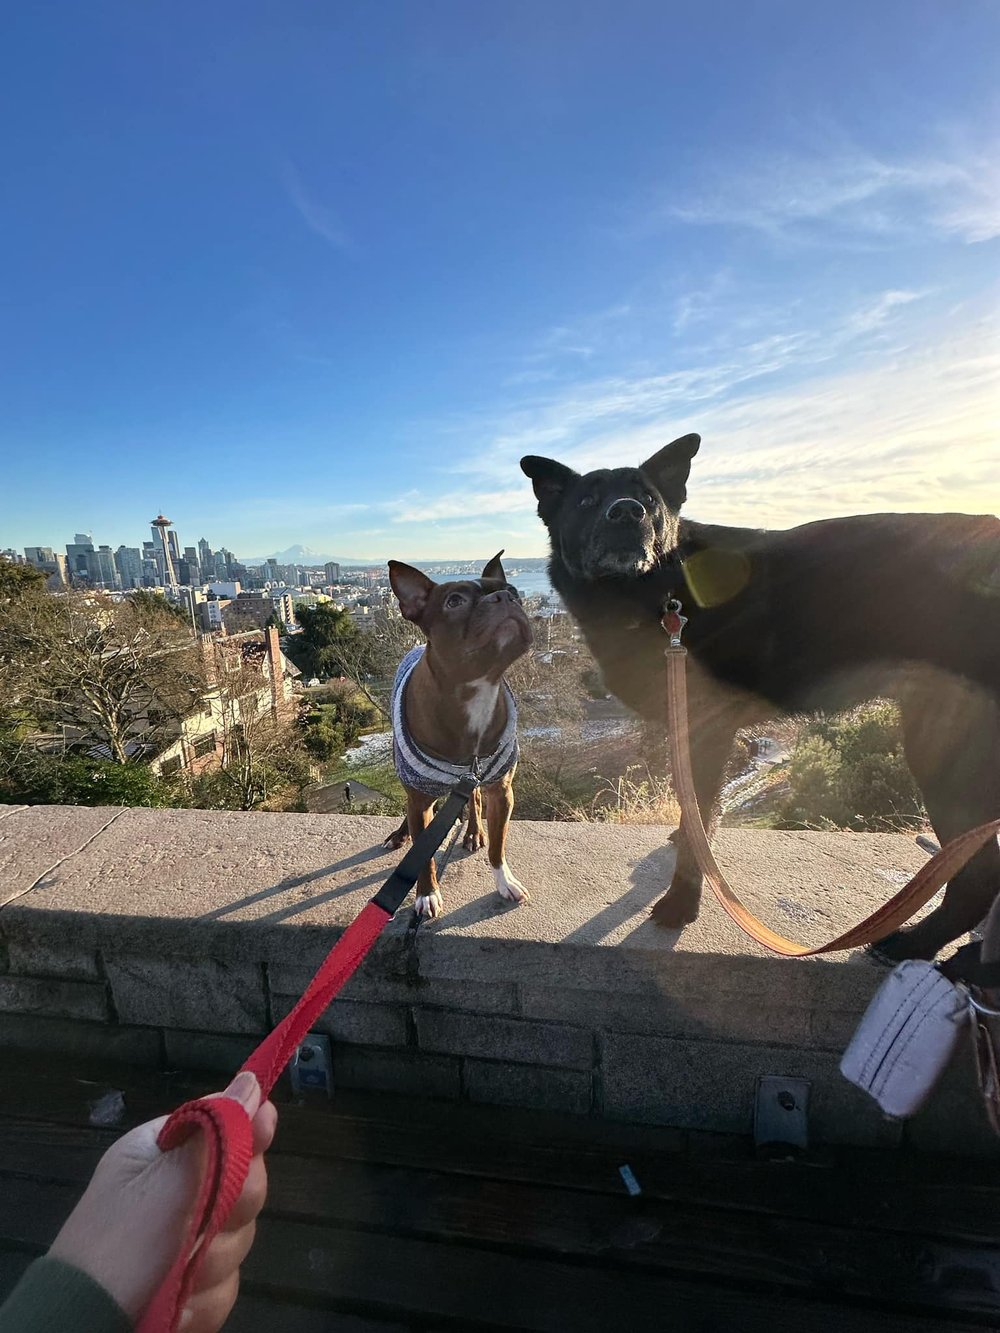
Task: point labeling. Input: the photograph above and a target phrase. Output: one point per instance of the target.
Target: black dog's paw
(897, 948)
(874, 952)
(674, 913)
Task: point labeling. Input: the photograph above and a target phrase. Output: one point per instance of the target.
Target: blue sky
(321, 272)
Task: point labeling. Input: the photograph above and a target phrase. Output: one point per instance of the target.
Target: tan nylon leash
(893, 914)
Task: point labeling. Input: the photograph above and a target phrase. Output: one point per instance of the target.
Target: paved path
(330, 800)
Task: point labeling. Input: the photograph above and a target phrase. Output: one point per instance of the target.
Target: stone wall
(177, 938)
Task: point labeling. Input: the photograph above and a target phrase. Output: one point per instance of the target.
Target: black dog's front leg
(713, 725)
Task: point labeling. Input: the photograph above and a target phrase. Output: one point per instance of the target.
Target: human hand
(131, 1223)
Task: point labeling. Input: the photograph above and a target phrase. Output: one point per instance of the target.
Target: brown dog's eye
(454, 599)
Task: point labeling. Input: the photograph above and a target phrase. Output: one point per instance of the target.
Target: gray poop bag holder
(911, 1030)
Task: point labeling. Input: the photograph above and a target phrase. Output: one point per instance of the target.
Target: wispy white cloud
(577, 340)
(918, 433)
(886, 402)
(880, 430)
(698, 304)
(419, 507)
(844, 189)
(317, 217)
(878, 312)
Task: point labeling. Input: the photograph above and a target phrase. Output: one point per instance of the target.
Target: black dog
(819, 617)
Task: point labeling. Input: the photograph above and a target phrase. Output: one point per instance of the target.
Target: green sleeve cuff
(54, 1296)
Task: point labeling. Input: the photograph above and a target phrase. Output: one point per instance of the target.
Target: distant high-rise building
(49, 562)
(81, 558)
(206, 557)
(285, 607)
(160, 526)
(107, 572)
(193, 563)
(129, 562)
(174, 542)
(332, 571)
(228, 561)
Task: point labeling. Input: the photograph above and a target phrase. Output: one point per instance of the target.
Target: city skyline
(202, 556)
(323, 275)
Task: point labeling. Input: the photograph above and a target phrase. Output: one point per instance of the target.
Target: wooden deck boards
(387, 1214)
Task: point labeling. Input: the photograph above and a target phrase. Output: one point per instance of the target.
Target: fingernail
(244, 1088)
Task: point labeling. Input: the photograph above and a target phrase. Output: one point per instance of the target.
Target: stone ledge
(54, 998)
(202, 926)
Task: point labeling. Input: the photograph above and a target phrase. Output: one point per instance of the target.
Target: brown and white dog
(451, 708)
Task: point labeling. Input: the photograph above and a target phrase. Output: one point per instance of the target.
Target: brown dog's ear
(549, 480)
(669, 467)
(411, 587)
(494, 569)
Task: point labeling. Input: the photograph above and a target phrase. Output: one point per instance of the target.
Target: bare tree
(116, 674)
(370, 657)
(549, 681)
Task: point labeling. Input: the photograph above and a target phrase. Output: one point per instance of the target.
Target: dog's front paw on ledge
(898, 947)
(429, 904)
(674, 913)
(508, 884)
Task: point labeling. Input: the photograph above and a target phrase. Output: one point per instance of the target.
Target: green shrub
(30, 777)
(851, 772)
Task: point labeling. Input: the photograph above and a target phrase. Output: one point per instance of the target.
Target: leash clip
(673, 623)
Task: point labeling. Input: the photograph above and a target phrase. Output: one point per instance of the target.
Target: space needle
(159, 525)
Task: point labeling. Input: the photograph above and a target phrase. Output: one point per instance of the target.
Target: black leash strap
(390, 896)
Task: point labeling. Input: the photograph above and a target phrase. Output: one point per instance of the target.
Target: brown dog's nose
(625, 510)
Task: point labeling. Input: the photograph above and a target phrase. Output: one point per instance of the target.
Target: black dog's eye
(588, 501)
(650, 499)
(454, 599)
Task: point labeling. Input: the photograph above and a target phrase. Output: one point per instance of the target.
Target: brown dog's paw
(508, 884)
(429, 904)
(473, 841)
(674, 913)
(396, 840)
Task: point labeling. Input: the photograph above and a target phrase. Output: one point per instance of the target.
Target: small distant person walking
(347, 793)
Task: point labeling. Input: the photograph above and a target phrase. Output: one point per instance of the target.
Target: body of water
(531, 582)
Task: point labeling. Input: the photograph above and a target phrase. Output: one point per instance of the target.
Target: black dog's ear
(494, 569)
(549, 480)
(412, 587)
(668, 469)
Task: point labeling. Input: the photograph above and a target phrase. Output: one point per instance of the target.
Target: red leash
(225, 1124)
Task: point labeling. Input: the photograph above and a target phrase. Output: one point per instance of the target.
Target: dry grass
(635, 797)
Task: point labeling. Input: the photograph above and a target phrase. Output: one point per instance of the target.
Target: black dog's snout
(625, 510)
